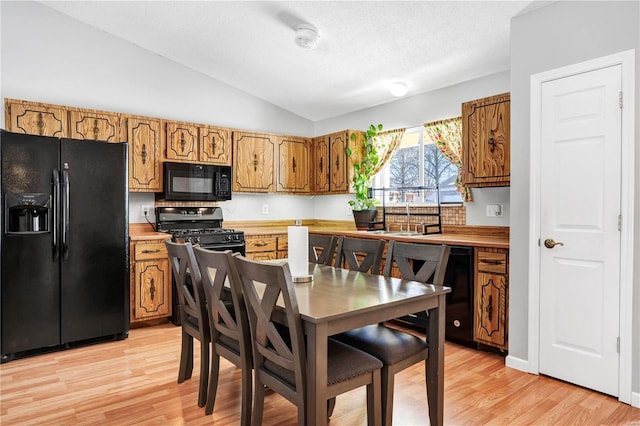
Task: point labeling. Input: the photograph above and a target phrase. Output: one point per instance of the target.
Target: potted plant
(364, 166)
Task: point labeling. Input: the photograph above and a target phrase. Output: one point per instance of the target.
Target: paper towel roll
(298, 251)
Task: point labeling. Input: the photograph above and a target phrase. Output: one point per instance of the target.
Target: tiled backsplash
(451, 215)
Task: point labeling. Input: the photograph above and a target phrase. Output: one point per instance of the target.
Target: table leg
(435, 362)
(316, 373)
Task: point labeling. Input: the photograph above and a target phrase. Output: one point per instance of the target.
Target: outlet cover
(265, 209)
(146, 209)
(494, 210)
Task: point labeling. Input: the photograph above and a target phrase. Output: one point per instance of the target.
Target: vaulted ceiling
(364, 45)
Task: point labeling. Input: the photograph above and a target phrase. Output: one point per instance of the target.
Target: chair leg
(186, 358)
(247, 391)
(374, 412)
(204, 372)
(258, 403)
(387, 396)
(331, 404)
(214, 373)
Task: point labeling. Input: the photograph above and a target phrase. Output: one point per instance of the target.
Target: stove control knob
(227, 237)
(196, 240)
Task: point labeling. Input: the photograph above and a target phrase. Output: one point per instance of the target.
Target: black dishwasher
(459, 313)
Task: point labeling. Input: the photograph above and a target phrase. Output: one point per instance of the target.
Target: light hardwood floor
(135, 382)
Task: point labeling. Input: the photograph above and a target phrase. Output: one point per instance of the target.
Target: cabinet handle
(491, 262)
(490, 308)
(151, 251)
(338, 162)
(260, 244)
(144, 153)
(41, 123)
(255, 162)
(320, 164)
(492, 141)
(213, 144)
(96, 130)
(152, 289)
(293, 164)
(183, 143)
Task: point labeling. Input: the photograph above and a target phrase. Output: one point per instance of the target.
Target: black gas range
(199, 225)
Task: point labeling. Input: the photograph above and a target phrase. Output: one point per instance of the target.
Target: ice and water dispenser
(27, 213)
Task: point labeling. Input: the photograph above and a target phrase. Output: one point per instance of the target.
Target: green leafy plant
(363, 170)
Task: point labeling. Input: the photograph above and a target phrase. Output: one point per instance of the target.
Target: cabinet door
(486, 144)
(152, 294)
(36, 119)
(293, 164)
(145, 145)
(253, 169)
(214, 145)
(182, 142)
(94, 125)
(338, 166)
(491, 305)
(320, 170)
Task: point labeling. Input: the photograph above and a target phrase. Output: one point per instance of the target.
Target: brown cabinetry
(182, 142)
(320, 172)
(294, 165)
(283, 246)
(35, 118)
(254, 162)
(486, 147)
(94, 125)
(214, 145)
(491, 297)
(150, 281)
(145, 145)
(331, 166)
(261, 247)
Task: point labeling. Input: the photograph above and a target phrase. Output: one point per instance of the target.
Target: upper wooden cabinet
(214, 145)
(254, 155)
(145, 145)
(486, 147)
(94, 125)
(294, 165)
(320, 171)
(182, 142)
(338, 162)
(35, 118)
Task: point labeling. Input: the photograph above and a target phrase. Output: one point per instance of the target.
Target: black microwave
(196, 182)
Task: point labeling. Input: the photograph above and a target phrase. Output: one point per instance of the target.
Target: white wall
(557, 35)
(424, 108)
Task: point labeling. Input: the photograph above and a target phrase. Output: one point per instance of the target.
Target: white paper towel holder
(301, 278)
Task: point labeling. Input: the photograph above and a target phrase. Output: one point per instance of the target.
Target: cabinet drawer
(283, 242)
(144, 251)
(495, 263)
(260, 244)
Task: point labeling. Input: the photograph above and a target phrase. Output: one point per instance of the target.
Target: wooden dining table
(338, 300)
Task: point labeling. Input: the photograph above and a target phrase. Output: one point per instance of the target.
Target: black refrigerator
(64, 246)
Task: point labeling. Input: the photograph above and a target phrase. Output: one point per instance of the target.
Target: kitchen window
(418, 162)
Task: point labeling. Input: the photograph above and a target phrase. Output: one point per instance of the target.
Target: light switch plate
(494, 210)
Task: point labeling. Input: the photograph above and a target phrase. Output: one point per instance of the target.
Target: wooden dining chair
(228, 323)
(193, 314)
(395, 348)
(326, 245)
(279, 352)
(360, 254)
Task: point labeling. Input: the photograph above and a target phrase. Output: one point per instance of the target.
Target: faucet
(408, 217)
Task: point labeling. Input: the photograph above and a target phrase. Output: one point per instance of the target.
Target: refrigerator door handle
(56, 218)
(65, 211)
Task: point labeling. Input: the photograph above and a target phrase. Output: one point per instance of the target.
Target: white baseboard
(635, 399)
(517, 363)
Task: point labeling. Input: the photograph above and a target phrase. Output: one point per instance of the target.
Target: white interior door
(579, 209)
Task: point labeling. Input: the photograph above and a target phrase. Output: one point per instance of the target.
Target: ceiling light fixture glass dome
(307, 36)
(399, 88)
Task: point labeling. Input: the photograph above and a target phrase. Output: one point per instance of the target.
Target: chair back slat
(188, 282)
(432, 259)
(322, 248)
(360, 254)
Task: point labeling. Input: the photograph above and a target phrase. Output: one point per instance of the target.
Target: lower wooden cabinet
(261, 247)
(491, 297)
(150, 281)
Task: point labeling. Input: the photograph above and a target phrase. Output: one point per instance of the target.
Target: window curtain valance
(387, 144)
(447, 135)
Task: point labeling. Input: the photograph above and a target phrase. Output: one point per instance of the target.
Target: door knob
(550, 243)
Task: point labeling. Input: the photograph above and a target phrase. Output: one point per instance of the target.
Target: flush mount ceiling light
(398, 88)
(307, 36)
